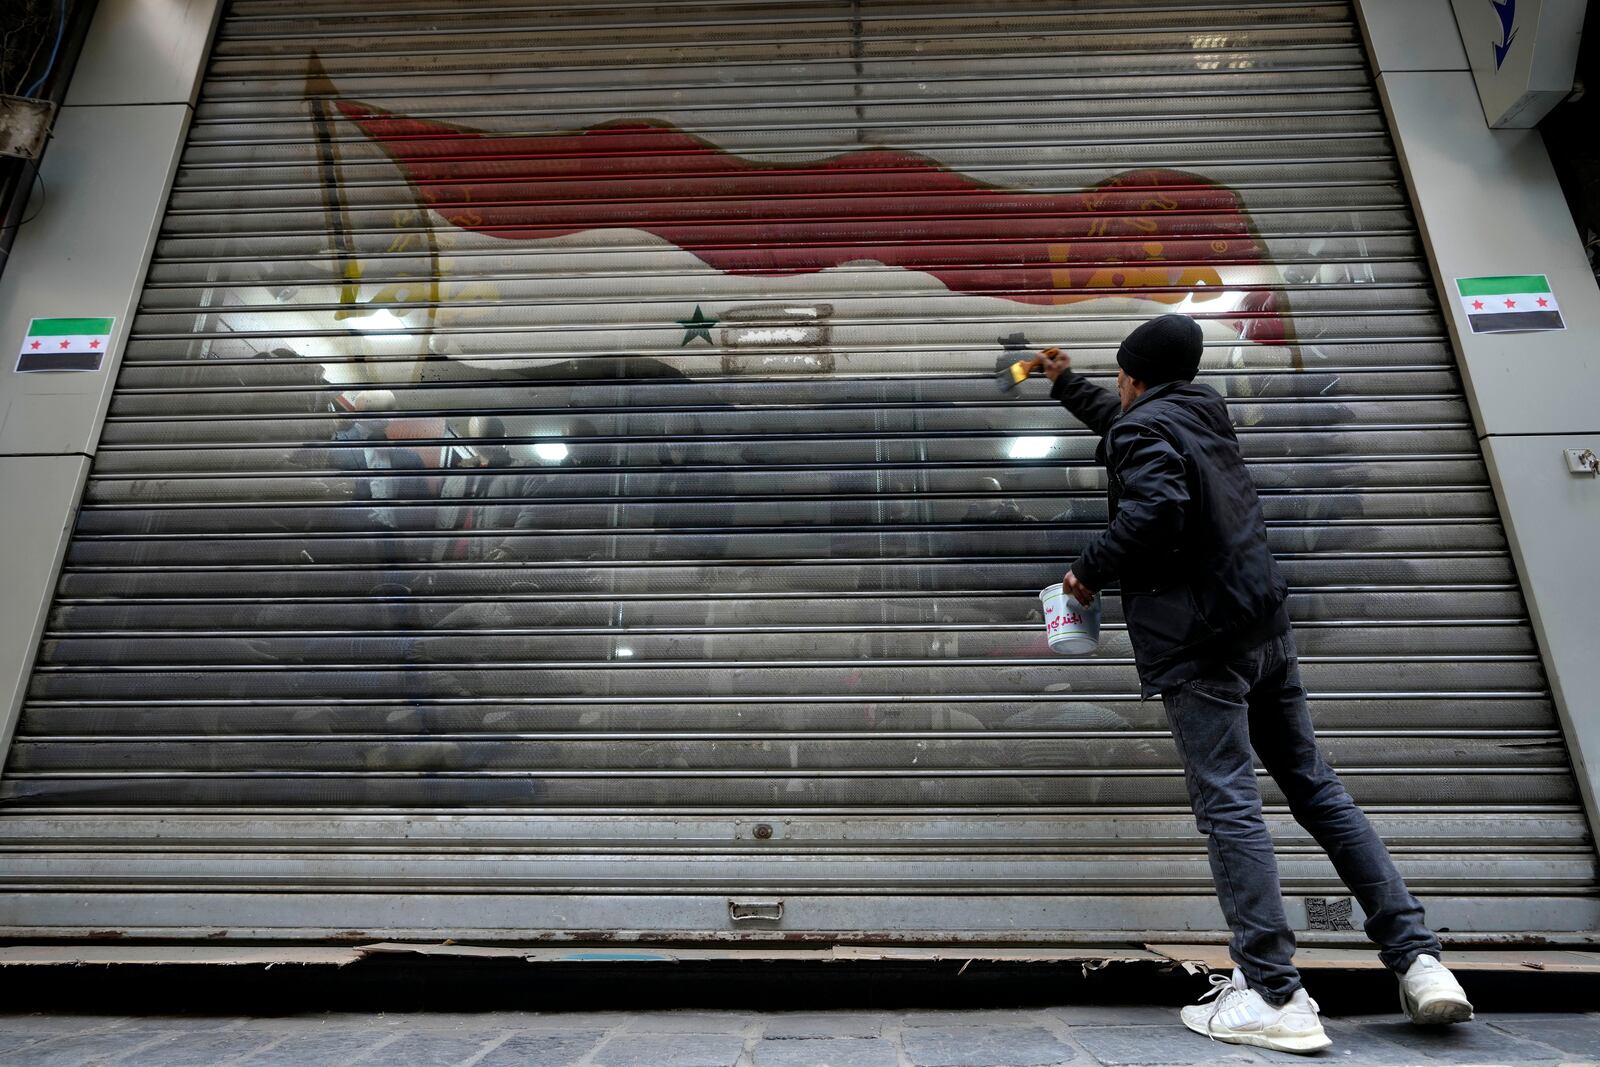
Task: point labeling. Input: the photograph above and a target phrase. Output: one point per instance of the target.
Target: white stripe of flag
(1509, 303)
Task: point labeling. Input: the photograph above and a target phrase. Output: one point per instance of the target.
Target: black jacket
(1186, 544)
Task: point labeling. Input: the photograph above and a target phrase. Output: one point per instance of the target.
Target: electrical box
(24, 125)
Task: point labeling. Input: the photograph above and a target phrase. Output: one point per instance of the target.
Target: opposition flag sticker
(65, 344)
(1509, 303)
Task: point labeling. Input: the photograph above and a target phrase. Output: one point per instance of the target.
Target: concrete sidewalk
(1086, 1036)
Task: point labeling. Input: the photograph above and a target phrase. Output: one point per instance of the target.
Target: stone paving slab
(1111, 1014)
(1138, 1046)
(12, 1042)
(689, 1022)
(524, 1049)
(1351, 1045)
(330, 1045)
(825, 1052)
(428, 1046)
(1483, 1040)
(984, 1016)
(1080, 1036)
(670, 1050)
(56, 1025)
(186, 1024)
(202, 1048)
(1574, 1036)
(985, 1045)
(824, 1024)
(76, 1050)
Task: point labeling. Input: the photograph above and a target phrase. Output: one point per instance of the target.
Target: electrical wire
(55, 51)
(38, 179)
(22, 76)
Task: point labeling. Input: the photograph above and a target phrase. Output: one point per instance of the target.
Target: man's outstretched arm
(1090, 404)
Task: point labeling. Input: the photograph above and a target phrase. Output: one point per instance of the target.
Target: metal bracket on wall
(1583, 461)
(25, 125)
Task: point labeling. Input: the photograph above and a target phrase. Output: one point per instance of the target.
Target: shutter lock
(743, 911)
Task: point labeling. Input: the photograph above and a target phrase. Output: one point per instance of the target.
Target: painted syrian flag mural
(820, 251)
(1509, 303)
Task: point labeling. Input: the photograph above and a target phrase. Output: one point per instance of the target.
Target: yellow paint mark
(450, 312)
(350, 291)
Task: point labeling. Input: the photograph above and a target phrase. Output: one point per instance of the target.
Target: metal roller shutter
(556, 484)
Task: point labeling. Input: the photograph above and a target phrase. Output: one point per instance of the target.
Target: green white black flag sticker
(1508, 303)
(65, 344)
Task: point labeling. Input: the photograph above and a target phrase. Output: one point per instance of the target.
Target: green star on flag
(697, 325)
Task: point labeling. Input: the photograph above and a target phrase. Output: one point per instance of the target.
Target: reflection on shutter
(558, 438)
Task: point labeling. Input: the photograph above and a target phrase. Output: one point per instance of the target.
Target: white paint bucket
(1073, 629)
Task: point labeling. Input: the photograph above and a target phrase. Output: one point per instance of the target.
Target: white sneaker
(1430, 994)
(1240, 1016)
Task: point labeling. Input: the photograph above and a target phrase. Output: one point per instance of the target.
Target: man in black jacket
(1204, 604)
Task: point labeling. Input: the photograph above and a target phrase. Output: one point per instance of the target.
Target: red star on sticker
(1543, 302)
(1511, 303)
(66, 344)
(1477, 305)
(94, 344)
(35, 345)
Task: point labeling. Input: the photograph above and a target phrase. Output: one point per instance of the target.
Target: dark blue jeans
(1255, 701)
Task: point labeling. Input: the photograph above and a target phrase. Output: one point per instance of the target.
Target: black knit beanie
(1162, 350)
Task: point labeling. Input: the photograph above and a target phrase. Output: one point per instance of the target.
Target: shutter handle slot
(741, 911)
